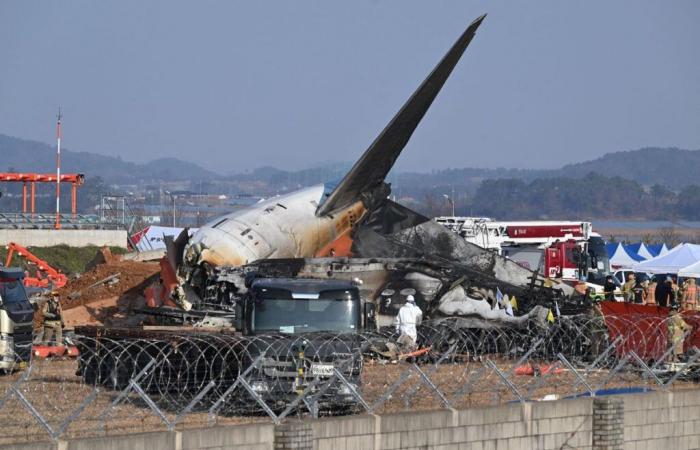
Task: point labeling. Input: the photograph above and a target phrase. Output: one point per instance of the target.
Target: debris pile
(107, 294)
(107, 280)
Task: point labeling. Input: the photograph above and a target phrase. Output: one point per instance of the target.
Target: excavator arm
(51, 276)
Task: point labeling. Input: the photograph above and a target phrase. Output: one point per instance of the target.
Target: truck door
(553, 262)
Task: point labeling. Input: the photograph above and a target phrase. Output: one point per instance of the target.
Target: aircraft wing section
(369, 172)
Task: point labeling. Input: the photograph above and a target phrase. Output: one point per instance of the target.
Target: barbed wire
(123, 381)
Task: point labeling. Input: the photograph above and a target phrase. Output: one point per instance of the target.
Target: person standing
(639, 293)
(676, 330)
(609, 288)
(406, 320)
(690, 294)
(53, 319)
(664, 293)
(628, 288)
(651, 290)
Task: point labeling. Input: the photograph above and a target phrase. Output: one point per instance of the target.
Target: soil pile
(133, 278)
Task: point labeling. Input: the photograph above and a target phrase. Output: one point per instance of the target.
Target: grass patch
(69, 260)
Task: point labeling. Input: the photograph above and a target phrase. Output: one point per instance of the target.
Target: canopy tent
(678, 258)
(691, 271)
(153, 237)
(611, 247)
(639, 249)
(657, 249)
(622, 258)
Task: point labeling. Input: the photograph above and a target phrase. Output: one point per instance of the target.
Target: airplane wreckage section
(351, 230)
(391, 253)
(345, 246)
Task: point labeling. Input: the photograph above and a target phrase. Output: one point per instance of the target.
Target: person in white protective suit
(406, 320)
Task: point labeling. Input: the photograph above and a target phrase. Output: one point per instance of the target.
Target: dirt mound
(132, 280)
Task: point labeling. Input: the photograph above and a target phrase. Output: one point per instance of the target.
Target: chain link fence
(154, 380)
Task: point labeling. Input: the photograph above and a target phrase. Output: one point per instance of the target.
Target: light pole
(452, 202)
(173, 197)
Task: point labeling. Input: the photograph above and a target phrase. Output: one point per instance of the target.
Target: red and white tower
(58, 171)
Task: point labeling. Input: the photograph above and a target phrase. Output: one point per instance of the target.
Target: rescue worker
(664, 294)
(676, 289)
(628, 288)
(651, 291)
(406, 320)
(53, 319)
(639, 293)
(609, 288)
(676, 331)
(690, 294)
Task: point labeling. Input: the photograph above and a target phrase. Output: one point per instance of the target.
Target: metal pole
(74, 199)
(32, 186)
(173, 209)
(58, 171)
(24, 198)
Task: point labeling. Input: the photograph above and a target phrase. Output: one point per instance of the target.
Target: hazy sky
(237, 85)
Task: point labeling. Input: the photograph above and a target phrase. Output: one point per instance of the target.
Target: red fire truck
(566, 250)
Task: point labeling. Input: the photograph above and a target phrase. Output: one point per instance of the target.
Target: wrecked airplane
(390, 247)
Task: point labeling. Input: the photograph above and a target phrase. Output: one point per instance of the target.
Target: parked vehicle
(16, 316)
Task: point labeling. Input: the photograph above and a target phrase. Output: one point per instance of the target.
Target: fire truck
(565, 250)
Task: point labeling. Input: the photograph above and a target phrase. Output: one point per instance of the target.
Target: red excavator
(45, 275)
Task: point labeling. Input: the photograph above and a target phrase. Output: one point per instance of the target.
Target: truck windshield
(12, 291)
(599, 260)
(331, 311)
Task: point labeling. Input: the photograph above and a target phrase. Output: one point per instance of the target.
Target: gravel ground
(56, 392)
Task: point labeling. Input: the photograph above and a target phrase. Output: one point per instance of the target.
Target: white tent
(622, 258)
(678, 258)
(692, 271)
(640, 249)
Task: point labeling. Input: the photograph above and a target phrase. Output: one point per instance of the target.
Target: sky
(237, 85)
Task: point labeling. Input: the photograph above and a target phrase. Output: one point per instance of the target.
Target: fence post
(294, 434)
(608, 423)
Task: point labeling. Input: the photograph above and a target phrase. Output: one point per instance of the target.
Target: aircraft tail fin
(372, 168)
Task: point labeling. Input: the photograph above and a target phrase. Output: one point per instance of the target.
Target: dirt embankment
(87, 300)
(132, 278)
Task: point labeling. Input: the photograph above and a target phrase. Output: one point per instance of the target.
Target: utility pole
(58, 171)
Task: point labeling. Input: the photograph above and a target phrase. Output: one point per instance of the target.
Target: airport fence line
(125, 383)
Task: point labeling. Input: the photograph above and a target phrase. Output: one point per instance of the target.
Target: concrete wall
(73, 238)
(529, 426)
(660, 420)
(240, 437)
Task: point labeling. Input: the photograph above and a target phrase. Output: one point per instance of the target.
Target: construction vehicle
(566, 250)
(304, 329)
(45, 276)
(16, 316)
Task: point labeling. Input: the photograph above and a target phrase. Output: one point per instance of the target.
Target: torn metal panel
(414, 236)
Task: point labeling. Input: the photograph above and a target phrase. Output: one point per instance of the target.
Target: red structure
(76, 179)
(45, 274)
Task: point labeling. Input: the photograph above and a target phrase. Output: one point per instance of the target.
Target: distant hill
(32, 156)
(670, 167)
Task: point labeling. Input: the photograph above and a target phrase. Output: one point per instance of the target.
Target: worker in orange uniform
(690, 294)
(53, 319)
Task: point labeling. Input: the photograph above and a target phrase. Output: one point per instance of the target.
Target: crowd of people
(666, 293)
